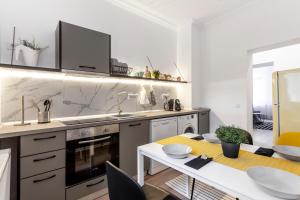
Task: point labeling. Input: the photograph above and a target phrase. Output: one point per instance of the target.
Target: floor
(158, 180)
(263, 138)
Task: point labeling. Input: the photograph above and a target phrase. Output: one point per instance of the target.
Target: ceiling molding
(144, 13)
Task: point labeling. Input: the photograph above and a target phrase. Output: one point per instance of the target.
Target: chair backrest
(121, 186)
(289, 139)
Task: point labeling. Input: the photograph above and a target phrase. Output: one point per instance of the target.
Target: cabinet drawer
(40, 143)
(41, 163)
(86, 188)
(48, 186)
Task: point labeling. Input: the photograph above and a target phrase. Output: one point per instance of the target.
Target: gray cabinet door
(84, 50)
(132, 135)
(203, 122)
(48, 186)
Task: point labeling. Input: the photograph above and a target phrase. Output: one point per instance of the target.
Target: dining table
(230, 180)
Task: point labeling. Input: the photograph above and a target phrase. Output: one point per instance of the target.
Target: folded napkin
(198, 162)
(265, 152)
(200, 137)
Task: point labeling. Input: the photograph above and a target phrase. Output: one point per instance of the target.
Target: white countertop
(4, 158)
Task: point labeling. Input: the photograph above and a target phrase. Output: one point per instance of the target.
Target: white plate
(276, 182)
(178, 151)
(288, 152)
(211, 137)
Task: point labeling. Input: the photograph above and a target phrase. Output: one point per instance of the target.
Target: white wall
(133, 37)
(225, 61)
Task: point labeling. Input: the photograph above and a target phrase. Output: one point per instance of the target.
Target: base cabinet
(86, 188)
(48, 186)
(132, 135)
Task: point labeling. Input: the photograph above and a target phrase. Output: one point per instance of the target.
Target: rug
(264, 126)
(202, 191)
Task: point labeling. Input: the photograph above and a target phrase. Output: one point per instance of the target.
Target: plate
(288, 152)
(178, 151)
(276, 182)
(211, 137)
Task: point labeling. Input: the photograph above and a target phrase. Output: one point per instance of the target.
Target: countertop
(4, 158)
(8, 130)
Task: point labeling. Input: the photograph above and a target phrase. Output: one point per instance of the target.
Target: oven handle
(95, 140)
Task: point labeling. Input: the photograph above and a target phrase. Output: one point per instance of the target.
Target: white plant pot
(30, 56)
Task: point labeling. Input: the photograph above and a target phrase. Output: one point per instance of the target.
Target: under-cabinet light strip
(17, 73)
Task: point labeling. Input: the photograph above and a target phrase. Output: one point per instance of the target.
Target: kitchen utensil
(288, 152)
(177, 151)
(276, 182)
(211, 137)
(47, 104)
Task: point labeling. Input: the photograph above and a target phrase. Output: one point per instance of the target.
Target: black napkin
(265, 152)
(200, 137)
(198, 162)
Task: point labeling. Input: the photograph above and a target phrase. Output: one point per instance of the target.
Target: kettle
(172, 105)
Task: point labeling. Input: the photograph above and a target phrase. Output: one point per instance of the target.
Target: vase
(30, 56)
(230, 150)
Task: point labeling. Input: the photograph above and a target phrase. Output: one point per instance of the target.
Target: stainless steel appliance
(87, 151)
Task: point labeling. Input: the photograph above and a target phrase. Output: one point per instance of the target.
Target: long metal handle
(46, 138)
(44, 179)
(95, 140)
(41, 159)
(93, 184)
(88, 67)
(137, 124)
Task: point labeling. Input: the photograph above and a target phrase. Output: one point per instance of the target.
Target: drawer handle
(41, 159)
(44, 179)
(137, 124)
(88, 67)
(46, 138)
(93, 184)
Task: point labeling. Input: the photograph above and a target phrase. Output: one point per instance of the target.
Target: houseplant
(29, 50)
(231, 138)
(156, 74)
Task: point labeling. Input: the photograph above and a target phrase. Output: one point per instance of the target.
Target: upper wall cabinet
(81, 49)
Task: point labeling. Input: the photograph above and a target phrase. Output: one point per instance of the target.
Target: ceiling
(176, 12)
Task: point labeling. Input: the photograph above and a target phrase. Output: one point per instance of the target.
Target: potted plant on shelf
(231, 138)
(156, 74)
(30, 52)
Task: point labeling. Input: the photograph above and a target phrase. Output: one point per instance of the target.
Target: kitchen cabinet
(132, 135)
(82, 49)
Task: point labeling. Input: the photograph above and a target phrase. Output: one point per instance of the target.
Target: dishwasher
(160, 129)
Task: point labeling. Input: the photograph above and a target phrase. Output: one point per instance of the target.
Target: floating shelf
(45, 69)
(142, 78)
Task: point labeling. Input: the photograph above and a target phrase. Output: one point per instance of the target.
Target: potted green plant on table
(231, 138)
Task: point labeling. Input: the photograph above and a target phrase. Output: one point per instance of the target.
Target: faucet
(119, 103)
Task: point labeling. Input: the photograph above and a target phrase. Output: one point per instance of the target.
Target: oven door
(86, 157)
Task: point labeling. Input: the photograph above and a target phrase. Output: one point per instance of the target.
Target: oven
(88, 149)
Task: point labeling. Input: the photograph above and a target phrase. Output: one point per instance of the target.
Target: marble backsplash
(73, 98)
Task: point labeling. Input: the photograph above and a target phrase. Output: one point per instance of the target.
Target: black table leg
(193, 186)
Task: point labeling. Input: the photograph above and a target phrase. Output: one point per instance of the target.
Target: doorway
(264, 63)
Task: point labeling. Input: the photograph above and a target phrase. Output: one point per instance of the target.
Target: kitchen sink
(125, 116)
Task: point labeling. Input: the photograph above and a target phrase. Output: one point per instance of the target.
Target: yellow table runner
(243, 162)
(199, 147)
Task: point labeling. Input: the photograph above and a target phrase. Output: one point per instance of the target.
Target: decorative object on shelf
(179, 78)
(231, 138)
(147, 73)
(29, 50)
(119, 68)
(139, 74)
(155, 74)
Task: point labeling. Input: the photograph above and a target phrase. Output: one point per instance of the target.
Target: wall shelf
(45, 69)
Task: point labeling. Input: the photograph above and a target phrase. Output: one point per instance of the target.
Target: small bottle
(147, 72)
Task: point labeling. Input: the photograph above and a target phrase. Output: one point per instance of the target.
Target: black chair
(122, 187)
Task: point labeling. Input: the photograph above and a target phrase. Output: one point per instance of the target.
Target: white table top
(232, 181)
(4, 157)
